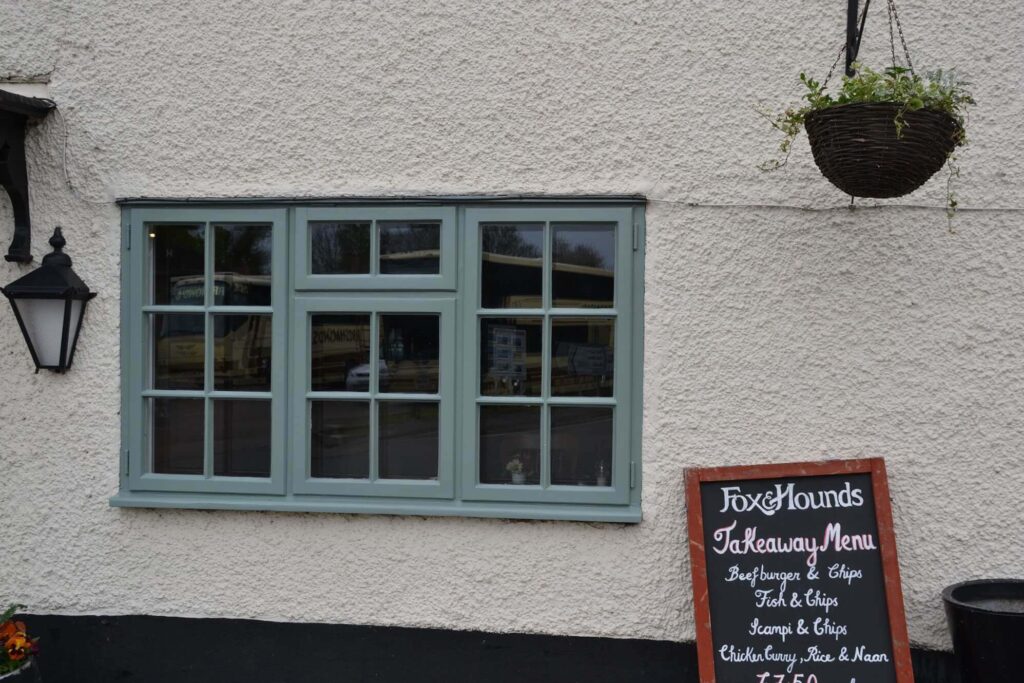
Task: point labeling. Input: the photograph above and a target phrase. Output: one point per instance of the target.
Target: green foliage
(938, 90)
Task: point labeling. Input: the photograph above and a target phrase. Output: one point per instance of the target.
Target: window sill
(426, 508)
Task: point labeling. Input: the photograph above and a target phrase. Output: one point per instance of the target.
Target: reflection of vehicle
(242, 350)
(358, 378)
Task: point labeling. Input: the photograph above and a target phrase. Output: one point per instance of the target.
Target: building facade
(714, 315)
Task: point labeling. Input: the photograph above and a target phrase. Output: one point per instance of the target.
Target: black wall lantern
(49, 304)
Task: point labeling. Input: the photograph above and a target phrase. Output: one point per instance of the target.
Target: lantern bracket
(15, 112)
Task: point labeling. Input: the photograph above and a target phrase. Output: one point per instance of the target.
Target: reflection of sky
(600, 238)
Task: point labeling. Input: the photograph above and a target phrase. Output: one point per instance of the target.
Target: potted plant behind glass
(882, 134)
(516, 469)
(16, 649)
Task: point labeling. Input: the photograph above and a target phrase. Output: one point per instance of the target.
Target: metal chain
(893, 14)
(842, 50)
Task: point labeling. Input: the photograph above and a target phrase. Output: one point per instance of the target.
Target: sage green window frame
(621, 402)
(454, 294)
(136, 340)
(304, 308)
(306, 280)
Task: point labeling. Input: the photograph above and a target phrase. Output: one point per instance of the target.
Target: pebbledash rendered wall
(780, 325)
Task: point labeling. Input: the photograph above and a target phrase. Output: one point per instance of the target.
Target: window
(466, 358)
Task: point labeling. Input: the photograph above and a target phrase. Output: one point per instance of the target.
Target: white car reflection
(358, 378)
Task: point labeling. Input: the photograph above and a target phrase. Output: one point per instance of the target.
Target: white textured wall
(772, 334)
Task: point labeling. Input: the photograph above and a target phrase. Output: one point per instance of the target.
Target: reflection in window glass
(409, 438)
(584, 265)
(510, 356)
(512, 265)
(409, 248)
(583, 356)
(178, 351)
(177, 435)
(340, 439)
(241, 438)
(241, 352)
(242, 256)
(177, 264)
(581, 446)
(409, 353)
(509, 444)
(340, 352)
(339, 248)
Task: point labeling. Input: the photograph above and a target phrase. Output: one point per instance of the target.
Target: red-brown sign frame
(886, 540)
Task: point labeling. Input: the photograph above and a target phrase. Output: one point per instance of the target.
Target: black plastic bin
(986, 620)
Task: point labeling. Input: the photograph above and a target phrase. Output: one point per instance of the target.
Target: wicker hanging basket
(856, 146)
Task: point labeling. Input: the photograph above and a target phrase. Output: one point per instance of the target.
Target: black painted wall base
(172, 650)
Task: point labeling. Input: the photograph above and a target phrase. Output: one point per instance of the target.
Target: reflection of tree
(578, 254)
(341, 248)
(507, 240)
(243, 249)
(403, 238)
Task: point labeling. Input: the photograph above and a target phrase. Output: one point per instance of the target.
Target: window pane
(340, 439)
(510, 444)
(177, 264)
(581, 446)
(510, 356)
(409, 353)
(177, 425)
(178, 352)
(512, 265)
(340, 248)
(410, 248)
(242, 255)
(241, 438)
(583, 356)
(584, 265)
(409, 438)
(241, 352)
(340, 352)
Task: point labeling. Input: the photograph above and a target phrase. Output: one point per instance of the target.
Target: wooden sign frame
(886, 538)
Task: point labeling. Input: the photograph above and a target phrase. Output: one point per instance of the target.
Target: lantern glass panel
(44, 325)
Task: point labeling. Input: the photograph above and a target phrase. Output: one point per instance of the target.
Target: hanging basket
(857, 148)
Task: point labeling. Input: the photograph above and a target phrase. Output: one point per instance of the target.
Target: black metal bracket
(15, 112)
(853, 34)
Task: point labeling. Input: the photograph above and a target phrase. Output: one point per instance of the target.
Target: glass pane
(583, 356)
(177, 264)
(241, 438)
(339, 248)
(584, 265)
(177, 437)
(242, 255)
(178, 353)
(409, 353)
(510, 356)
(512, 265)
(44, 323)
(410, 248)
(340, 439)
(340, 352)
(581, 446)
(241, 352)
(510, 444)
(409, 438)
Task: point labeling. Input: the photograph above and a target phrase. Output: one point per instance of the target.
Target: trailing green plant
(938, 90)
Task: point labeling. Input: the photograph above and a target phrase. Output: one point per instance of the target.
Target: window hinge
(636, 235)
(128, 238)
(632, 474)
(127, 463)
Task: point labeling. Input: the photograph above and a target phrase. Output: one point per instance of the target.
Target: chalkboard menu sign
(795, 577)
